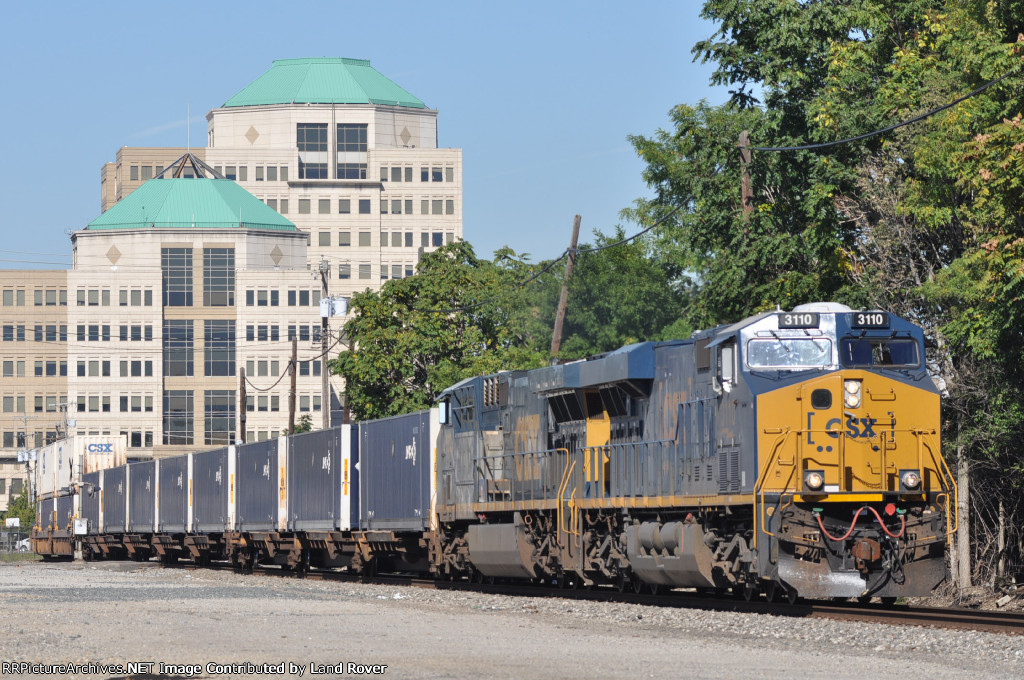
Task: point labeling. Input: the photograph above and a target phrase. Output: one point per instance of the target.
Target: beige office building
(177, 289)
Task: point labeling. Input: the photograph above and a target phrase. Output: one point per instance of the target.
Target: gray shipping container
(44, 514)
(141, 499)
(65, 513)
(395, 469)
(113, 499)
(257, 475)
(210, 490)
(314, 465)
(173, 495)
(91, 500)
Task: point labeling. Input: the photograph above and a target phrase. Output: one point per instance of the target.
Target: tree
(305, 424)
(20, 507)
(459, 316)
(923, 220)
(619, 295)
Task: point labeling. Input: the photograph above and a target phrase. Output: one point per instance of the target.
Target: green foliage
(304, 424)
(20, 507)
(458, 317)
(618, 296)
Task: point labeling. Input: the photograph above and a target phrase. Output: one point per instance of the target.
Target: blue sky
(540, 96)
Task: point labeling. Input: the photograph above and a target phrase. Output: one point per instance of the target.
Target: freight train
(795, 453)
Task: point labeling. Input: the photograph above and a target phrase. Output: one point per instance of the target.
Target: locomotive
(795, 453)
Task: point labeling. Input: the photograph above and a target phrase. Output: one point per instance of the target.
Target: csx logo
(100, 448)
(856, 428)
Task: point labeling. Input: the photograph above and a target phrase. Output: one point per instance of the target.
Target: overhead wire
(875, 133)
(567, 251)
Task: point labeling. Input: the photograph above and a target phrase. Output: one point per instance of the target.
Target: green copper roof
(323, 81)
(191, 203)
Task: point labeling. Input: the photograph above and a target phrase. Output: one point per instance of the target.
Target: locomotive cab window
(894, 352)
(789, 353)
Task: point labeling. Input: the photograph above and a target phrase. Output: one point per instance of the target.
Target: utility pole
(325, 314)
(556, 337)
(746, 197)
(242, 405)
(291, 392)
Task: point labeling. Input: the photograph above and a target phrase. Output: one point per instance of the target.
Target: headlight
(910, 479)
(814, 479)
(852, 388)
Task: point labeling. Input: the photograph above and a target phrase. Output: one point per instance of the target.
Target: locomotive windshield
(789, 353)
(894, 352)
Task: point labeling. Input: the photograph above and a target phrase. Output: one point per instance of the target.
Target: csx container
(64, 461)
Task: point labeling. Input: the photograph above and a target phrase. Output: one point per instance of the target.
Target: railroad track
(989, 621)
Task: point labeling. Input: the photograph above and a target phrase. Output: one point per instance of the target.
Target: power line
(866, 135)
(578, 251)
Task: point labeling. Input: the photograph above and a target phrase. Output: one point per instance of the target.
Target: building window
(364, 270)
(219, 277)
(284, 206)
(176, 264)
(311, 139)
(364, 206)
(272, 203)
(324, 206)
(133, 173)
(364, 239)
(344, 206)
(351, 150)
(179, 414)
(396, 174)
(435, 206)
(219, 416)
(436, 239)
(303, 206)
(325, 238)
(344, 238)
(344, 270)
(259, 173)
(179, 344)
(449, 207)
(271, 173)
(219, 347)
(435, 174)
(396, 207)
(449, 174)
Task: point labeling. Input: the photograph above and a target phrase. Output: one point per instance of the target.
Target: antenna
(188, 127)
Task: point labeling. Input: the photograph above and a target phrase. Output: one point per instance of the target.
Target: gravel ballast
(218, 622)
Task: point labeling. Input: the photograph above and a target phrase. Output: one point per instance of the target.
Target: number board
(870, 320)
(798, 320)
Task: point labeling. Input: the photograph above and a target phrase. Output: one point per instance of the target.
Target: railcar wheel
(621, 581)
(749, 591)
(638, 585)
(888, 601)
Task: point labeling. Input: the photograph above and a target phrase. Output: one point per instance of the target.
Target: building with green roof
(348, 155)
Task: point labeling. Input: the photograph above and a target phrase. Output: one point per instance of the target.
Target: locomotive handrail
(952, 513)
(763, 476)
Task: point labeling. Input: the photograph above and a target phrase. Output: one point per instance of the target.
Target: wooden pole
(293, 367)
(747, 198)
(556, 337)
(242, 405)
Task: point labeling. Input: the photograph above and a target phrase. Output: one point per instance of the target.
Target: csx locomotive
(790, 454)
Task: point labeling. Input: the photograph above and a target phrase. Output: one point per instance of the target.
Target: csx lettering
(100, 448)
(856, 428)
